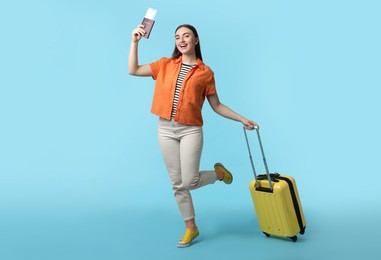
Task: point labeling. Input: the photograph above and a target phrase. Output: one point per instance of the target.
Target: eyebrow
(183, 34)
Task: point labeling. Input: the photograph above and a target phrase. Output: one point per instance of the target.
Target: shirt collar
(199, 63)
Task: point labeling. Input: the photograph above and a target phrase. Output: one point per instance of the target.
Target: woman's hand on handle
(249, 124)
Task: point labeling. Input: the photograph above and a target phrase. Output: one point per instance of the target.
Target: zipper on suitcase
(295, 202)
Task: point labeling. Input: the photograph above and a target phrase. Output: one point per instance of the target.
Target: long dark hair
(176, 53)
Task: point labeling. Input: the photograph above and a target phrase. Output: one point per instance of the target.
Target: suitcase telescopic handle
(263, 157)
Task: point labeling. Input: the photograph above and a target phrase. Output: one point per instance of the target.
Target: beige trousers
(181, 147)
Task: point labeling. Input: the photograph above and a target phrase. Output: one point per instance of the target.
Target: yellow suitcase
(276, 201)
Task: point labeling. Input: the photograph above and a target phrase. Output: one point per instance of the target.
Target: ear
(196, 41)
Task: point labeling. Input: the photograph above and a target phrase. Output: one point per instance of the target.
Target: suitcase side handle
(263, 157)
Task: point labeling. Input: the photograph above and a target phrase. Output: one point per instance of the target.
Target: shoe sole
(180, 245)
(222, 166)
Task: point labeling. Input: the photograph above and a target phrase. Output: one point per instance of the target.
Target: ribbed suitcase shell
(276, 212)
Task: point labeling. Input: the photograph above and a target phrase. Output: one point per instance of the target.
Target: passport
(149, 21)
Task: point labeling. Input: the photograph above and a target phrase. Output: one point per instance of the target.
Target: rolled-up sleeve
(155, 67)
(210, 85)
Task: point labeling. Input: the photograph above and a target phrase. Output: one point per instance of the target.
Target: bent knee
(191, 184)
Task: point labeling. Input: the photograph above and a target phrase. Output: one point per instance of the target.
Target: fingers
(138, 32)
(140, 29)
(250, 125)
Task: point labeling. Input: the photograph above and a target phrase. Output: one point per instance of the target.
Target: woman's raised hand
(137, 33)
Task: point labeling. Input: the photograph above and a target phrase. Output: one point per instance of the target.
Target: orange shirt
(198, 83)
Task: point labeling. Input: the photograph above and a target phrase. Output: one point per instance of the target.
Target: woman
(182, 83)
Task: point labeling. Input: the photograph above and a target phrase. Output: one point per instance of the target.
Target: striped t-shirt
(185, 68)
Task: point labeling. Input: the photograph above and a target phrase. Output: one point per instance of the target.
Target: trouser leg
(191, 145)
(181, 148)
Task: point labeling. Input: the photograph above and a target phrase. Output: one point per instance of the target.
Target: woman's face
(186, 41)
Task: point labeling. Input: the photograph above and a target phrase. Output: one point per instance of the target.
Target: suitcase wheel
(294, 238)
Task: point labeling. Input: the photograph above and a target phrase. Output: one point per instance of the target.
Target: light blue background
(81, 174)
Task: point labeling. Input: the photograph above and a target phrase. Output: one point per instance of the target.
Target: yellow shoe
(228, 177)
(188, 237)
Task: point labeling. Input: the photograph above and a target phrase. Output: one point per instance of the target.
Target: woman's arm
(133, 65)
(224, 111)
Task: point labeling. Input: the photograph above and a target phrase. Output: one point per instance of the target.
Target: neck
(189, 59)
